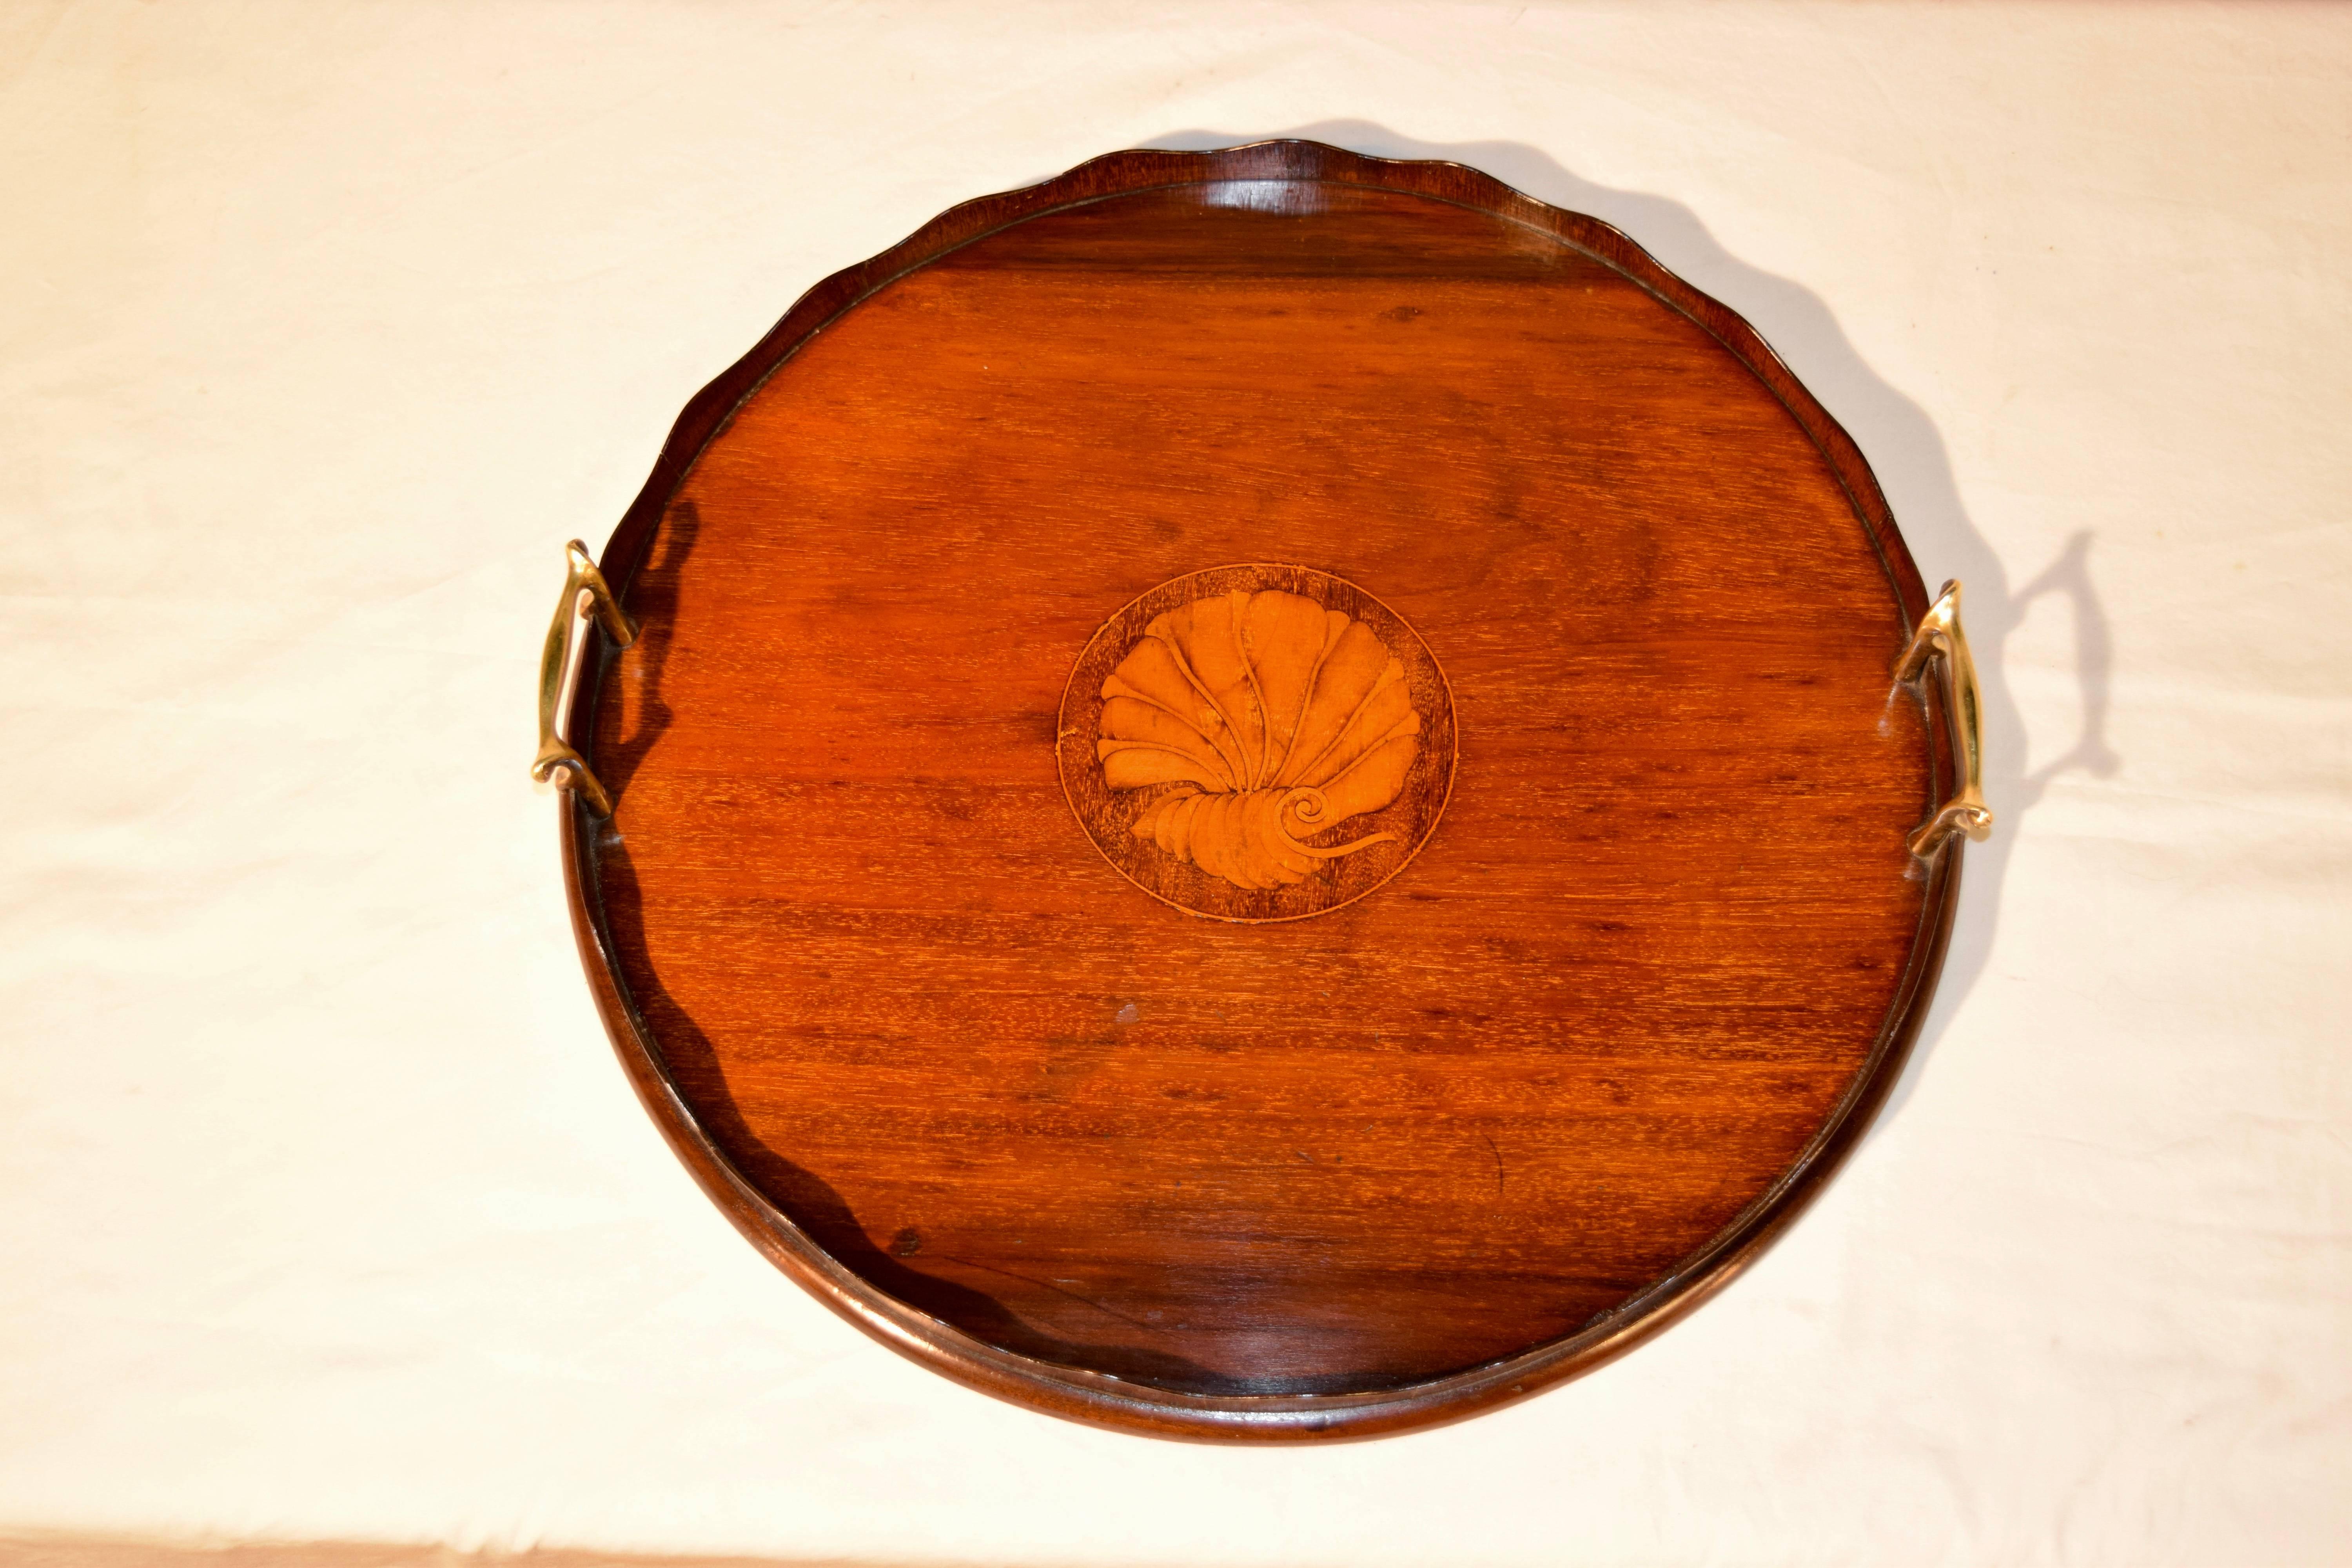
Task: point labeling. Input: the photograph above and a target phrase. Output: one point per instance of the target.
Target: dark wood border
(1109, 1402)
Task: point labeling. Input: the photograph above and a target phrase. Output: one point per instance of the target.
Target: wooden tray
(1258, 795)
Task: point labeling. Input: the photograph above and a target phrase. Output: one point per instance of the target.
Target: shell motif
(1274, 719)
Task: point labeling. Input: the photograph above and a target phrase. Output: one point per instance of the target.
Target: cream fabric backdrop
(323, 1208)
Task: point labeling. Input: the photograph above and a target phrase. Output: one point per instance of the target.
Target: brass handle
(585, 591)
(1939, 632)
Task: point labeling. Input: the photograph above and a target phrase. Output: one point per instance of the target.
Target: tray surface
(1259, 795)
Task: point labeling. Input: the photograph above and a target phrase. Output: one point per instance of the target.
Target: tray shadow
(1896, 435)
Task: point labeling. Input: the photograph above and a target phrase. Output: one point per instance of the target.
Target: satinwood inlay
(1218, 731)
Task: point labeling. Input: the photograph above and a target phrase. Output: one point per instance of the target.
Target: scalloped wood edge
(1093, 1397)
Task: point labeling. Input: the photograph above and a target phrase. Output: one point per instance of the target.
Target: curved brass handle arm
(585, 591)
(1938, 632)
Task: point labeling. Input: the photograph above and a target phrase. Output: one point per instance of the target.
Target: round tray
(1258, 795)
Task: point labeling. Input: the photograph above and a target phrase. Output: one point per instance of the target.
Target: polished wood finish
(1516, 1102)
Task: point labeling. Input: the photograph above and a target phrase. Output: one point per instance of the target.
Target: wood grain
(1517, 1104)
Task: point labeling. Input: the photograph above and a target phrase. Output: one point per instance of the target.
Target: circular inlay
(1256, 742)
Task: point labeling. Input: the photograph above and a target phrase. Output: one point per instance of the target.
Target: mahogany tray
(1261, 795)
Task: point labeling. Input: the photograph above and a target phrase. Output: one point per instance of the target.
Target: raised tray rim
(1097, 1398)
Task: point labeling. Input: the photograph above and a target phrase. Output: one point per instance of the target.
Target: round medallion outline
(1366, 850)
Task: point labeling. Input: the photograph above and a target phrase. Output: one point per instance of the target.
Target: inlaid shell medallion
(1241, 726)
